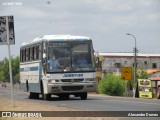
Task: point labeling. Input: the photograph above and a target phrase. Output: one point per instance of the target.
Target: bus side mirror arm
(44, 58)
(44, 63)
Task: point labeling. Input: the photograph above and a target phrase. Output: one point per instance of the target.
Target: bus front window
(82, 57)
(58, 58)
(70, 57)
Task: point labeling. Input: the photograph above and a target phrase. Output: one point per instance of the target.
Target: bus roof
(55, 38)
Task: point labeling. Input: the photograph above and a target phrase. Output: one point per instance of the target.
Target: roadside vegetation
(4, 69)
(111, 85)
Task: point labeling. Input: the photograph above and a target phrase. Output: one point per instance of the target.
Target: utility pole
(135, 63)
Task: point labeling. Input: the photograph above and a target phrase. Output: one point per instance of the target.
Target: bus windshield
(70, 57)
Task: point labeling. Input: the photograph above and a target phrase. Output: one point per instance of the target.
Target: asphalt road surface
(93, 103)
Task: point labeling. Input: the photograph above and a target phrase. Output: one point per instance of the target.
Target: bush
(111, 85)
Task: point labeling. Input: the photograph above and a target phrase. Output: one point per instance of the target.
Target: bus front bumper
(71, 87)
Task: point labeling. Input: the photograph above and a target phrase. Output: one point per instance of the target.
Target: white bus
(61, 65)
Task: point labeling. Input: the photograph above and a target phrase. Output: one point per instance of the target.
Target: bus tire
(83, 96)
(64, 96)
(27, 86)
(30, 95)
(33, 95)
(47, 96)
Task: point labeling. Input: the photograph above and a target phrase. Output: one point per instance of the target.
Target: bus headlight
(53, 81)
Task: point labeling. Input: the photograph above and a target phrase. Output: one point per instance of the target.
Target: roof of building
(151, 71)
(127, 55)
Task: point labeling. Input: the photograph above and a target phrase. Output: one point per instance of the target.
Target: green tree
(111, 85)
(2, 77)
(4, 69)
(15, 68)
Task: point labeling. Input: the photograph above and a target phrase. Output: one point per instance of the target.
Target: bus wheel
(46, 96)
(64, 96)
(83, 96)
(33, 95)
(27, 86)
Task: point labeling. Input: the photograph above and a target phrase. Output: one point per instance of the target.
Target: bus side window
(22, 52)
(35, 53)
(40, 52)
(24, 55)
(31, 56)
(28, 54)
(20, 55)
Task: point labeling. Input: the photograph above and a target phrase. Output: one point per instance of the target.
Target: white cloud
(154, 17)
(99, 19)
(123, 21)
(145, 2)
(29, 12)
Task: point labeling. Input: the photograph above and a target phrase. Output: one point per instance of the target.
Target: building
(112, 62)
(154, 76)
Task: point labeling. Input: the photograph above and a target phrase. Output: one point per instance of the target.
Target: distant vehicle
(3, 84)
(48, 66)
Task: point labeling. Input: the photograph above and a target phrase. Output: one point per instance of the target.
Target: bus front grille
(72, 88)
(66, 80)
(70, 80)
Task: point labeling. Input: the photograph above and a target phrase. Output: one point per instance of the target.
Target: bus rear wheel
(33, 95)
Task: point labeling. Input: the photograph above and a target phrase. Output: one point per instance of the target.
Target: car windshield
(70, 57)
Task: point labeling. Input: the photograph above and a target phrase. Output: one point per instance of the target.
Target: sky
(106, 22)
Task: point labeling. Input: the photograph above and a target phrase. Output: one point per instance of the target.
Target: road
(94, 102)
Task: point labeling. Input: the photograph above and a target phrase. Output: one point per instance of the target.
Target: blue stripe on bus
(27, 69)
(34, 68)
(21, 69)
